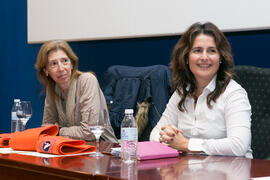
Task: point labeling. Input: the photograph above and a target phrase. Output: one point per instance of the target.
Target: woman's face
(59, 68)
(204, 58)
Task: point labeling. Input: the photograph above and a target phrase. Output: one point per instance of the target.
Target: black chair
(126, 87)
(256, 81)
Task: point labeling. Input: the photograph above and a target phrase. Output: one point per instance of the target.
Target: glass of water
(97, 122)
(24, 113)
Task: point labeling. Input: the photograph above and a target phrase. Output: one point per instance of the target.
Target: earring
(220, 62)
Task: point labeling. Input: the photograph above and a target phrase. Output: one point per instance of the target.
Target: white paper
(34, 153)
(116, 151)
(9, 151)
(261, 178)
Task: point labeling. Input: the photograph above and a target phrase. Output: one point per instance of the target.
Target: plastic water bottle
(16, 123)
(129, 137)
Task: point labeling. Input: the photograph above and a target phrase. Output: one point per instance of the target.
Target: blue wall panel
(18, 76)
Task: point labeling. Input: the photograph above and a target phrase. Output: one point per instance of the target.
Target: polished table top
(14, 166)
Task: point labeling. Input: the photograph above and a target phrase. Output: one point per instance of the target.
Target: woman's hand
(167, 133)
(174, 138)
(180, 142)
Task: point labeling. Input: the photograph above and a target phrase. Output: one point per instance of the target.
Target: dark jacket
(126, 86)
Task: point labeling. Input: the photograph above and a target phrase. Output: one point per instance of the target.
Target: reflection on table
(19, 166)
(208, 167)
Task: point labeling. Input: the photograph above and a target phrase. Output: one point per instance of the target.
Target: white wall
(77, 20)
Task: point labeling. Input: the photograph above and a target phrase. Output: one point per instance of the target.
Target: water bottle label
(14, 116)
(129, 134)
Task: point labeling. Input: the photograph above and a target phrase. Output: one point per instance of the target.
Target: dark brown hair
(182, 77)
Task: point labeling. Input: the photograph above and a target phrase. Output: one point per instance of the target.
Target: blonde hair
(42, 62)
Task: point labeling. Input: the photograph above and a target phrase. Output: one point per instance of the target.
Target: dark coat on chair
(126, 86)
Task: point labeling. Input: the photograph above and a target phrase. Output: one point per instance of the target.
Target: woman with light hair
(72, 97)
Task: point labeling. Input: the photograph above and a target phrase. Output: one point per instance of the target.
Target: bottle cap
(17, 100)
(128, 111)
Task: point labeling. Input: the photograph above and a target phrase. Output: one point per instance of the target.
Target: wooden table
(16, 166)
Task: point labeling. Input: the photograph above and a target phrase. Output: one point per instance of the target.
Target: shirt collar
(212, 85)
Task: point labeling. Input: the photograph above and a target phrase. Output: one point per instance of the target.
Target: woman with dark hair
(72, 97)
(208, 112)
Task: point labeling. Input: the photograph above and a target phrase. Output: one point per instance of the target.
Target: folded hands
(174, 138)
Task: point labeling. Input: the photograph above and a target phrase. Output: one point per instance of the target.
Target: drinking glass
(24, 113)
(97, 123)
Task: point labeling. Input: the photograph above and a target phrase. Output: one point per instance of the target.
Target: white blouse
(222, 130)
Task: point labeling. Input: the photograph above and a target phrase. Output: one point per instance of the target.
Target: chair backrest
(127, 86)
(256, 81)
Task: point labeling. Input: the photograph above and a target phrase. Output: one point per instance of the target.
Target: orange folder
(26, 140)
(4, 140)
(62, 145)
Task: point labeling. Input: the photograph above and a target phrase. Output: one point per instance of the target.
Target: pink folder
(154, 163)
(154, 150)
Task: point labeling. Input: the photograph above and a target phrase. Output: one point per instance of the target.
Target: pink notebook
(154, 150)
(154, 163)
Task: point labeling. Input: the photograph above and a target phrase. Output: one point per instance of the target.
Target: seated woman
(72, 97)
(208, 112)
